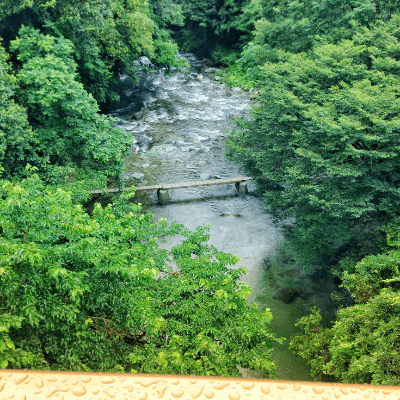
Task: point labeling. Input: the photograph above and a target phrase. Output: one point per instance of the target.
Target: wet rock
(138, 176)
(236, 89)
(137, 115)
(215, 177)
(146, 165)
(217, 78)
(211, 70)
(204, 177)
(143, 61)
(129, 175)
(286, 294)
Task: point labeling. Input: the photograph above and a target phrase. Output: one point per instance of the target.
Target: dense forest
(96, 292)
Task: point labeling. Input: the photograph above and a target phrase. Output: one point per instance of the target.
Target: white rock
(211, 70)
(138, 176)
(204, 177)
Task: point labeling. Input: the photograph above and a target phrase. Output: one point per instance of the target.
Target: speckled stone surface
(26, 385)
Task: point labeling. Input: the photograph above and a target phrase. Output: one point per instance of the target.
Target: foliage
(363, 344)
(323, 144)
(361, 347)
(166, 13)
(271, 28)
(223, 56)
(108, 35)
(209, 22)
(64, 116)
(17, 139)
(81, 293)
(313, 344)
(367, 277)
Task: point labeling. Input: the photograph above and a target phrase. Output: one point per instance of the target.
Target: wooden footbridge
(162, 188)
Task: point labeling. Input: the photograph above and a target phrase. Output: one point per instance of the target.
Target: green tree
(313, 344)
(108, 35)
(81, 293)
(363, 344)
(361, 347)
(275, 26)
(365, 279)
(209, 23)
(18, 141)
(64, 116)
(297, 26)
(323, 145)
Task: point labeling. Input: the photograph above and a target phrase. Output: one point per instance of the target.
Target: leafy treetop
(100, 294)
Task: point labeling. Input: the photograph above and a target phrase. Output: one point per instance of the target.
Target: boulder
(138, 115)
(138, 176)
(143, 61)
(205, 177)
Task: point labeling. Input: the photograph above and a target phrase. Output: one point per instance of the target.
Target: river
(180, 121)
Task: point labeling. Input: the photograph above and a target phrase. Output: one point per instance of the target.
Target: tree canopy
(323, 144)
(17, 138)
(99, 293)
(362, 346)
(64, 116)
(108, 35)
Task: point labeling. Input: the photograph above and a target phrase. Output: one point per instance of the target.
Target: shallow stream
(180, 122)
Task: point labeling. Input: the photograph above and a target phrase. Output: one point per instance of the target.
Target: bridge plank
(181, 185)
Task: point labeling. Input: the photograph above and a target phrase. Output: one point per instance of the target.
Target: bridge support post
(241, 187)
(163, 196)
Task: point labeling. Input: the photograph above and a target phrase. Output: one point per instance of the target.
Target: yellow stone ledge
(27, 385)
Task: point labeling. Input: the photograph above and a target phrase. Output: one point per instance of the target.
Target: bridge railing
(43, 385)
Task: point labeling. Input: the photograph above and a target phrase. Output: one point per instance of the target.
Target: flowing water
(180, 122)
